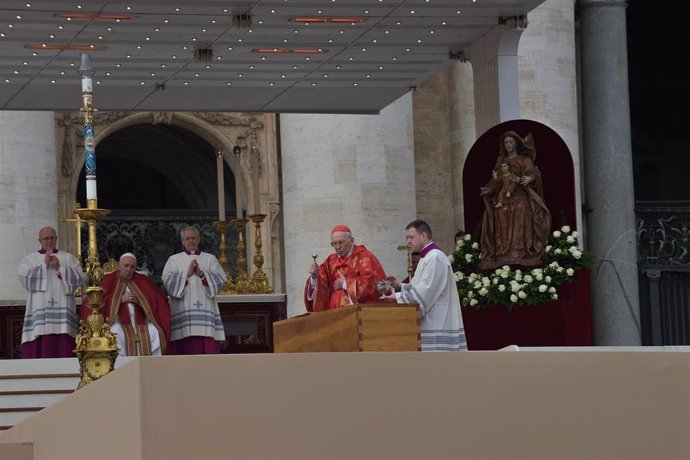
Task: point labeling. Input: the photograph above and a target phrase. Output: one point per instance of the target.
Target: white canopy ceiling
(367, 53)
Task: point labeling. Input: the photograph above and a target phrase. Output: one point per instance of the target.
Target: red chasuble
(361, 271)
(153, 305)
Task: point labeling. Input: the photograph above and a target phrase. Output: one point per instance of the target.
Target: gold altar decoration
(408, 250)
(259, 278)
(229, 286)
(96, 346)
(243, 284)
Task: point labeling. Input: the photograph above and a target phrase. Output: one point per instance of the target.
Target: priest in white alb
(192, 279)
(50, 278)
(433, 288)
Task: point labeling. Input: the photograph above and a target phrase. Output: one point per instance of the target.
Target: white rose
(451, 258)
(486, 281)
(559, 269)
(539, 277)
(458, 276)
(575, 234)
(556, 234)
(468, 257)
(467, 237)
(542, 288)
(557, 251)
(565, 229)
(518, 277)
(506, 268)
(548, 248)
(483, 291)
(502, 287)
(470, 295)
(528, 279)
(570, 272)
(513, 298)
(475, 245)
(570, 239)
(515, 287)
(495, 281)
(473, 302)
(522, 295)
(552, 289)
(547, 279)
(477, 284)
(577, 254)
(554, 296)
(505, 275)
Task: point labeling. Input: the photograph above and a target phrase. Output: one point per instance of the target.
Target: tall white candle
(221, 186)
(239, 200)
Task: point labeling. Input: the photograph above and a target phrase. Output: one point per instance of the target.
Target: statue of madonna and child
(516, 223)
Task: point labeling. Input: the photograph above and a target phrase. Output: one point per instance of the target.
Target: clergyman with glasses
(346, 277)
(433, 288)
(50, 278)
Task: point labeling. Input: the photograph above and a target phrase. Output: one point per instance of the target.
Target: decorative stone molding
(274, 210)
(246, 140)
(162, 117)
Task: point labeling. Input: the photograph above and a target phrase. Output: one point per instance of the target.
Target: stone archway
(176, 152)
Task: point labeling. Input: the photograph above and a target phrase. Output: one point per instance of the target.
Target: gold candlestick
(408, 249)
(96, 346)
(242, 282)
(259, 277)
(229, 286)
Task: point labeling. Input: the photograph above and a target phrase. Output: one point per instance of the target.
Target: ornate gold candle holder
(243, 285)
(96, 346)
(259, 278)
(229, 286)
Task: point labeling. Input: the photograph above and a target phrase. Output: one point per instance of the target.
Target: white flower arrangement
(562, 257)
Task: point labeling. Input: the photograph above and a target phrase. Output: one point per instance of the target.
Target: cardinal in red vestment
(137, 310)
(346, 277)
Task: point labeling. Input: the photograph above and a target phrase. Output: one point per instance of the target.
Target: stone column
(608, 172)
(28, 191)
(495, 65)
(462, 132)
(356, 170)
(433, 166)
(548, 80)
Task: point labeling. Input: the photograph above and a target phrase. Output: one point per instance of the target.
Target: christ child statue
(508, 181)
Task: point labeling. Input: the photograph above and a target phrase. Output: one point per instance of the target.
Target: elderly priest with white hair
(137, 310)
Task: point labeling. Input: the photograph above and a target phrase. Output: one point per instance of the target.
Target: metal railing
(663, 245)
(154, 238)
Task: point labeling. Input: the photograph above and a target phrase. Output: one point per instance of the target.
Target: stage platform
(402, 405)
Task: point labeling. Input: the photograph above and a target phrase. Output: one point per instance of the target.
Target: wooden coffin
(360, 327)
